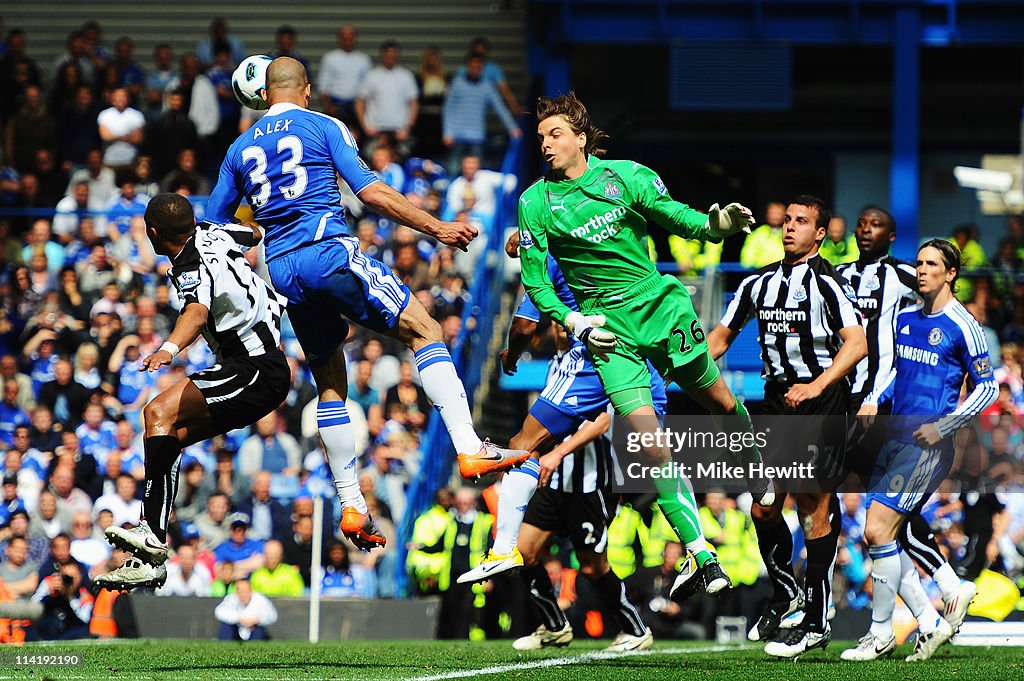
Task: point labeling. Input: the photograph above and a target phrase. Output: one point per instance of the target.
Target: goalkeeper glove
(732, 219)
(588, 330)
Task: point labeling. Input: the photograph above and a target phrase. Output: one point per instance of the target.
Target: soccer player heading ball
(285, 167)
(591, 216)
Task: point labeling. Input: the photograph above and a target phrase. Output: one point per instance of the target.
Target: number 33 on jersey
(277, 166)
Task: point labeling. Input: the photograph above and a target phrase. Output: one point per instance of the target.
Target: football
(249, 79)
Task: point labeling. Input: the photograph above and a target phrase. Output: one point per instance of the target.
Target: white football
(249, 79)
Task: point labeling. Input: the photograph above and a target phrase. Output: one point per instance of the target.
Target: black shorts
(865, 445)
(584, 517)
(823, 435)
(242, 390)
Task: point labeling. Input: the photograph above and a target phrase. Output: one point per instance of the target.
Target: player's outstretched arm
(520, 334)
(190, 325)
(719, 340)
(588, 432)
(389, 203)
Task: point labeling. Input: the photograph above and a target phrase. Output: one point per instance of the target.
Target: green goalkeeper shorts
(653, 320)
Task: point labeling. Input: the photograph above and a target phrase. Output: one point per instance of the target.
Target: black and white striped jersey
(588, 470)
(245, 313)
(799, 310)
(883, 289)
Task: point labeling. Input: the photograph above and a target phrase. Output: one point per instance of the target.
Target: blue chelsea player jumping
(938, 344)
(285, 166)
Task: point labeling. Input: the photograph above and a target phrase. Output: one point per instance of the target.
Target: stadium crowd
(88, 141)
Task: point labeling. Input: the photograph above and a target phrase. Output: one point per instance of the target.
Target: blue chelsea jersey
(934, 352)
(285, 167)
(527, 310)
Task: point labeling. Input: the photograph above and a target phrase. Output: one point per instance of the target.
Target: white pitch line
(575, 659)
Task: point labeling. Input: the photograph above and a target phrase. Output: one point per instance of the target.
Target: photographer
(67, 605)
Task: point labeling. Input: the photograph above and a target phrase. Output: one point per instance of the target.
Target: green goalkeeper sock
(676, 500)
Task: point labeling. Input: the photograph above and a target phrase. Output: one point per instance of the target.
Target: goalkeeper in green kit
(591, 216)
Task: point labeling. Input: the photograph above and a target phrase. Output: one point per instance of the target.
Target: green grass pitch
(438, 660)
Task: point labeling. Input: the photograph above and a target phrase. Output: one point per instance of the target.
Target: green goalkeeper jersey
(595, 226)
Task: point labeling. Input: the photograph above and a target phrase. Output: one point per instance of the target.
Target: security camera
(983, 180)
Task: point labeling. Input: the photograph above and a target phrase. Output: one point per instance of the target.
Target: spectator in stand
(29, 129)
(212, 523)
(70, 211)
(87, 372)
(192, 494)
(124, 504)
(298, 546)
(43, 282)
(88, 549)
(11, 414)
(432, 82)
(121, 129)
(64, 397)
(270, 449)
(130, 73)
(485, 187)
(300, 394)
(245, 614)
(100, 278)
(285, 40)
(10, 248)
(82, 483)
(93, 47)
(29, 199)
(200, 99)
(49, 519)
(225, 582)
(17, 574)
(230, 110)
(59, 557)
(972, 256)
(133, 387)
(62, 96)
(19, 527)
(52, 180)
(388, 104)
(218, 33)
(465, 112)
(28, 465)
(12, 82)
(244, 552)
(270, 518)
(168, 133)
(67, 605)
(276, 579)
(341, 73)
(124, 207)
(384, 163)
(158, 79)
(342, 579)
(38, 236)
(410, 268)
(185, 577)
(9, 372)
(101, 179)
(10, 502)
(360, 391)
(493, 73)
(385, 367)
(226, 479)
(411, 396)
(838, 247)
(186, 170)
(763, 246)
